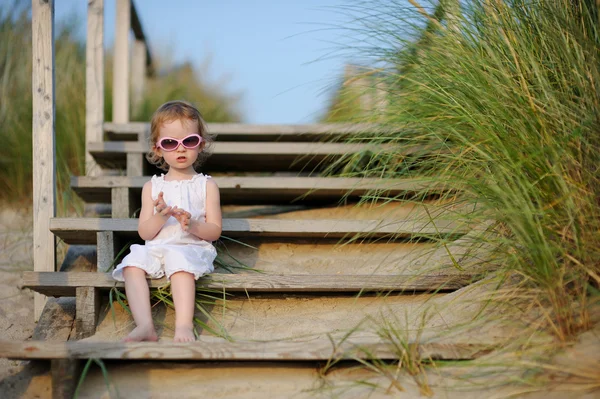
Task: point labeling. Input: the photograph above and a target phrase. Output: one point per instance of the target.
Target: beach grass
(502, 97)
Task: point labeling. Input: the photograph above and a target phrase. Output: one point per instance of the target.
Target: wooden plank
(83, 230)
(138, 33)
(253, 156)
(65, 283)
(94, 81)
(87, 311)
(120, 111)
(65, 375)
(249, 132)
(121, 202)
(106, 251)
(44, 151)
(312, 350)
(135, 164)
(138, 75)
(57, 320)
(252, 148)
(264, 189)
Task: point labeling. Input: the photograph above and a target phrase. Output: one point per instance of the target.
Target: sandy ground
(572, 374)
(16, 305)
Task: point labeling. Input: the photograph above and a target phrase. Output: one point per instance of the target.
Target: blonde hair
(172, 111)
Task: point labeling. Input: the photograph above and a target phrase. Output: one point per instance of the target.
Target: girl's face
(182, 157)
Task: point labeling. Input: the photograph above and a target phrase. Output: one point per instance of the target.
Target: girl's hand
(183, 217)
(161, 206)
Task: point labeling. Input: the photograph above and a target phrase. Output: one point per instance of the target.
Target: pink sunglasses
(170, 144)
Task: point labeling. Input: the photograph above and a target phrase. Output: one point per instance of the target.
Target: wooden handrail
(138, 33)
(141, 66)
(141, 63)
(94, 85)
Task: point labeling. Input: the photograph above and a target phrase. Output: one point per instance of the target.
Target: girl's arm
(211, 230)
(150, 224)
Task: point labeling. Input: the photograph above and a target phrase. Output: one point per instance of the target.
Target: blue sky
(274, 53)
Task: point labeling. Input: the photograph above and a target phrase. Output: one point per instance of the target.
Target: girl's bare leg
(138, 297)
(183, 288)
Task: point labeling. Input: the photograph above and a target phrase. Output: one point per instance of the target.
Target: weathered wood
(122, 202)
(57, 320)
(94, 81)
(138, 33)
(44, 167)
(311, 350)
(87, 311)
(120, 111)
(263, 189)
(254, 156)
(65, 283)
(106, 250)
(65, 375)
(134, 164)
(254, 148)
(138, 74)
(83, 230)
(248, 132)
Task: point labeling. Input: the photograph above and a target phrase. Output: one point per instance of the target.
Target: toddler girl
(180, 217)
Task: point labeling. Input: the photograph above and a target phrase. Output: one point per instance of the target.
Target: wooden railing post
(141, 63)
(44, 169)
(94, 85)
(120, 111)
(138, 74)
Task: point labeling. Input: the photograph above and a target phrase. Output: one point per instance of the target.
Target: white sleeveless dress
(172, 249)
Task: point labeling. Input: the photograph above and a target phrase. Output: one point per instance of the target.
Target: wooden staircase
(318, 280)
(302, 308)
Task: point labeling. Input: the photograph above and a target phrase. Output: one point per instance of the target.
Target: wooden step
(242, 156)
(247, 132)
(242, 190)
(313, 350)
(318, 256)
(59, 284)
(84, 230)
(303, 380)
(284, 306)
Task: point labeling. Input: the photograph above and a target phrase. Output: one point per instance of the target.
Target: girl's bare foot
(142, 333)
(184, 334)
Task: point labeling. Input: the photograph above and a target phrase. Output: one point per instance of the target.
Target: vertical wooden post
(65, 375)
(121, 202)
(94, 82)
(121, 63)
(135, 164)
(106, 247)
(44, 168)
(138, 75)
(87, 309)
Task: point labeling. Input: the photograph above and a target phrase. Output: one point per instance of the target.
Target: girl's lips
(181, 159)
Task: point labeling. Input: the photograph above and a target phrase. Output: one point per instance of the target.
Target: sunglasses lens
(169, 144)
(191, 141)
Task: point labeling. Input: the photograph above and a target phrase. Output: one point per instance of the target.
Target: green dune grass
(504, 95)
